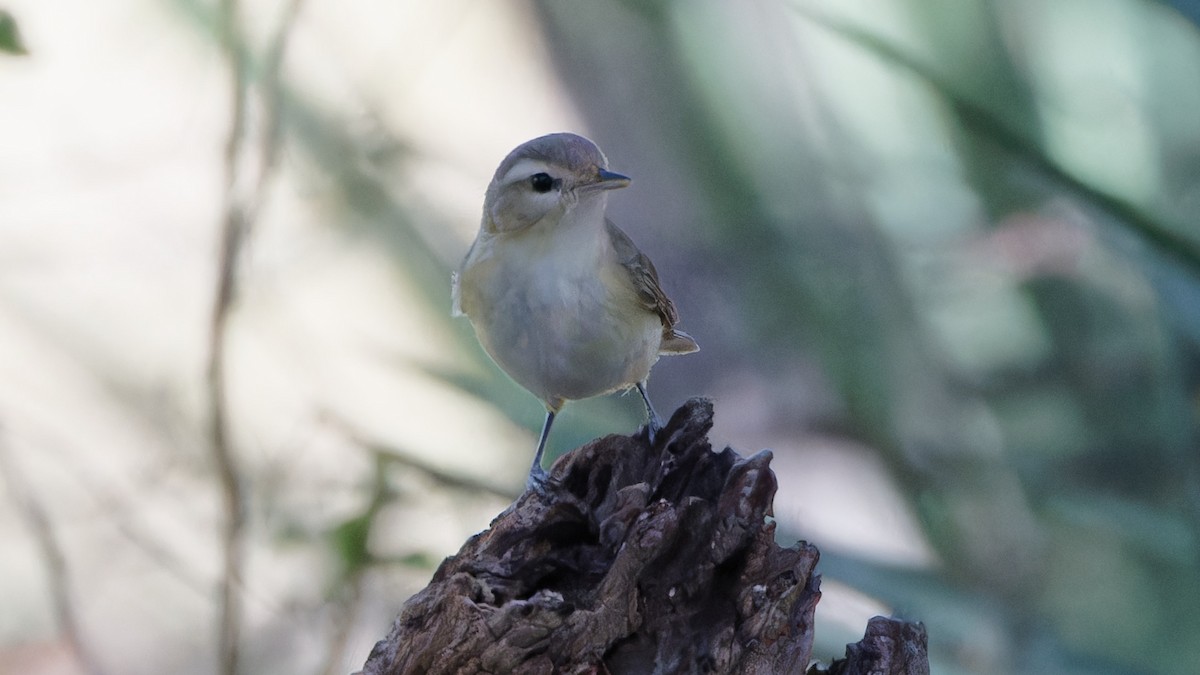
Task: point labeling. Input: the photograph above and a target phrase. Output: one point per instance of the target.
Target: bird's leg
(655, 423)
(538, 478)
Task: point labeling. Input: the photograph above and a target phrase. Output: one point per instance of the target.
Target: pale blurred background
(942, 256)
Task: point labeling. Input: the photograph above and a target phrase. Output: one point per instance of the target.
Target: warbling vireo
(559, 296)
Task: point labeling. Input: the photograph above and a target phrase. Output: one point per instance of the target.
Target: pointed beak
(609, 180)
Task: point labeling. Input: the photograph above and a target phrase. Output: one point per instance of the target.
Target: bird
(559, 296)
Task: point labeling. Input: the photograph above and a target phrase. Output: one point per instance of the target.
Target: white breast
(557, 314)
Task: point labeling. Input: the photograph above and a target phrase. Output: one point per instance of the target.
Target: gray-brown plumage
(559, 296)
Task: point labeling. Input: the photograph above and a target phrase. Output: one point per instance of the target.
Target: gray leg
(655, 423)
(537, 475)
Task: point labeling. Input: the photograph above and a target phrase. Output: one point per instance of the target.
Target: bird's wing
(645, 281)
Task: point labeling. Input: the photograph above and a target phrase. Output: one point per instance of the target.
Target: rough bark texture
(890, 647)
(639, 558)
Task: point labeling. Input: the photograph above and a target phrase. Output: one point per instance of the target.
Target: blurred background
(941, 256)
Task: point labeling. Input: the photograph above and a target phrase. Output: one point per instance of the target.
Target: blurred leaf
(350, 542)
(10, 35)
(420, 560)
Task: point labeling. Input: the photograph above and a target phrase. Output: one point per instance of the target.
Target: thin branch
(54, 561)
(240, 213)
(233, 231)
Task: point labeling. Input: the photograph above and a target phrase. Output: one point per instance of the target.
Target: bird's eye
(542, 182)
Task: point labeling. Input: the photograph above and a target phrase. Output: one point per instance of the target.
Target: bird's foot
(653, 427)
(538, 481)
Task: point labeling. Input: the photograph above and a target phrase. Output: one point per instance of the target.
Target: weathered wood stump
(640, 558)
(890, 647)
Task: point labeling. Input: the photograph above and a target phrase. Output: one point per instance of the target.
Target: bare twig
(55, 562)
(239, 215)
(233, 231)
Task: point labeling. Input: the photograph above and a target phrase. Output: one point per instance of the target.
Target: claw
(538, 480)
(652, 432)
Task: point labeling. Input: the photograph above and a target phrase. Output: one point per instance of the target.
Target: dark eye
(541, 182)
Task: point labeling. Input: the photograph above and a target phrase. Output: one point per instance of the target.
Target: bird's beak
(608, 180)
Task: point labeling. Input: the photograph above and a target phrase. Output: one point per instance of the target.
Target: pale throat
(576, 242)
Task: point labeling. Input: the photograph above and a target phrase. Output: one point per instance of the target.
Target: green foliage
(350, 541)
(10, 36)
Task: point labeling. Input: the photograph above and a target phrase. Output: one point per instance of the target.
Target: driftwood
(640, 558)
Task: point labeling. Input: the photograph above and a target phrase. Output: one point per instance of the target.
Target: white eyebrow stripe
(524, 169)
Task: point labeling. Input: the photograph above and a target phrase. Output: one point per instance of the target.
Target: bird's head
(544, 180)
